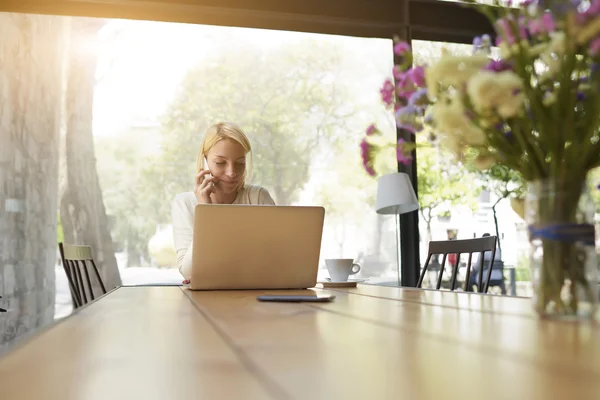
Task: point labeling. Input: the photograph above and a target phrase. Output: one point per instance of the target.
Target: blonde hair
(222, 131)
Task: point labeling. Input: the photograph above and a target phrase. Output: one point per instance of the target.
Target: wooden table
(370, 343)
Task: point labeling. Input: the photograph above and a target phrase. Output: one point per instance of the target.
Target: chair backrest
(458, 247)
(76, 261)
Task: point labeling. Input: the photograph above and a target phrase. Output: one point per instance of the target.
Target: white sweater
(182, 215)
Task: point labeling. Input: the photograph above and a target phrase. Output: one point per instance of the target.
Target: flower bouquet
(535, 109)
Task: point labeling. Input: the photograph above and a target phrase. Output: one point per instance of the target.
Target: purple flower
(580, 96)
(498, 66)
(365, 153)
(410, 81)
(505, 30)
(401, 48)
(387, 92)
(592, 11)
(482, 44)
(595, 47)
(397, 72)
(544, 24)
(406, 118)
(419, 98)
(417, 75)
(522, 27)
(548, 22)
(504, 27)
(371, 130)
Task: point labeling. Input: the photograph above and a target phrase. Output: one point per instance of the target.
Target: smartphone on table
(289, 298)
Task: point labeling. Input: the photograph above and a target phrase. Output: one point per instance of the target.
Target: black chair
(76, 260)
(458, 247)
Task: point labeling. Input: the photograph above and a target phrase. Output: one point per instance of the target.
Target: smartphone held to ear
(322, 298)
(209, 175)
(206, 166)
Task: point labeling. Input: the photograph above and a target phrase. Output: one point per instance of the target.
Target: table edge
(27, 337)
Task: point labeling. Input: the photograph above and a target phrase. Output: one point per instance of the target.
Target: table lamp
(395, 195)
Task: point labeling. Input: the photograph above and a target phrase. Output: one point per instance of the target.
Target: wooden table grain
(372, 342)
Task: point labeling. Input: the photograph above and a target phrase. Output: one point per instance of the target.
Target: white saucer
(348, 283)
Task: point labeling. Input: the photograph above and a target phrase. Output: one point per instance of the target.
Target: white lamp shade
(395, 194)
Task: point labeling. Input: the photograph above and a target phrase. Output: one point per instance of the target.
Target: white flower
(451, 120)
(453, 144)
(452, 71)
(505, 50)
(500, 91)
(558, 44)
(538, 49)
(551, 65)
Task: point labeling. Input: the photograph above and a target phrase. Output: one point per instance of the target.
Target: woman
(222, 171)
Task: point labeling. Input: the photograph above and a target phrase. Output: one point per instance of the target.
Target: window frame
(432, 20)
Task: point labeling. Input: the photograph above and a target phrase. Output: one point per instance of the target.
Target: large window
(119, 108)
(456, 202)
(304, 100)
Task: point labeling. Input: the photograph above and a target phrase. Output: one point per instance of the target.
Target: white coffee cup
(341, 268)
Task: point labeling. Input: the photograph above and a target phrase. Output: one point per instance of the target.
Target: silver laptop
(256, 247)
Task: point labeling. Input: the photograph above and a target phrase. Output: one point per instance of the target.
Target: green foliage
(285, 99)
(501, 180)
(346, 190)
(129, 195)
(442, 183)
(291, 101)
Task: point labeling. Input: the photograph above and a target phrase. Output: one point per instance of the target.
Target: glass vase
(563, 261)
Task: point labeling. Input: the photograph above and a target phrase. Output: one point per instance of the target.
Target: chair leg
(98, 276)
(487, 279)
(420, 282)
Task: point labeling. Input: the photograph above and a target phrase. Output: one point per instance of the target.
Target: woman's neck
(223, 198)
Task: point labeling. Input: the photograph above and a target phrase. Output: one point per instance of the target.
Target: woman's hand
(204, 187)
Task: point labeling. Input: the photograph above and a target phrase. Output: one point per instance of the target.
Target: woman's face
(227, 162)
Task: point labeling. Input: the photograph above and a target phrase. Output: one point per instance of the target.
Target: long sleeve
(183, 228)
